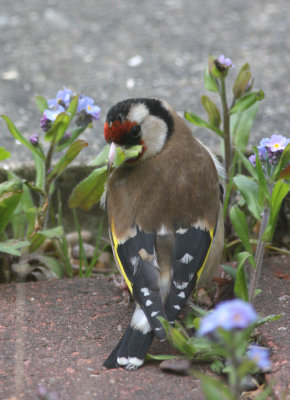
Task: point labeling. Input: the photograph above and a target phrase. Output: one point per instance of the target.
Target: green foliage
(17, 135)
(89, 191)
(195, 119)
(10, 195)
(24, 205)
(4, 154)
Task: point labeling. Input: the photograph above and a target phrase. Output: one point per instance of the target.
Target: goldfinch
(165, 219)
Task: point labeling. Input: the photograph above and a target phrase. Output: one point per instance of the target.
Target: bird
(165, 219)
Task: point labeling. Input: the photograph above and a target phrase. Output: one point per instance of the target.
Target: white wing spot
(154, 313)
(140, 322)
(134, 260)
(182, 295)
(145, 291)
(181, 231)
(162, 231)
(186, 258)
(148, 303)
(177, 307)
(181, 285)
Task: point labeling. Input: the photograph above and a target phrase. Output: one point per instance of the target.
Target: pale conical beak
(112, 156)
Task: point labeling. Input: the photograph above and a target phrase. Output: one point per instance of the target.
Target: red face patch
(116, 130)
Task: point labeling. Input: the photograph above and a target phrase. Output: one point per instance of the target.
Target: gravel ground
(57, 334)
(111, 50)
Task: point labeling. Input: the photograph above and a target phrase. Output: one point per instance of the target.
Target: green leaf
(70, 155)
(250, 191)
(17, 135)
(41, 103)
(102, 157)
(247, 101)
(247, 164)
(23, 218)
(242, 81)
(40, 172)
(4, 154)
(241, 125)
(217, 367)
(212, 69)
(239, 221)
(58, 128)
(89, 191)
(39, 237)
(280, 191)
(52, 264)
(179, 341)
(66, 142)
(209, 82)
(10, 195)
(191, 117)
(232, 272)
(11, 247)
(264, 195)
(241, 286)
(285, 174)
(161, 357)
(214, 116)
(132, 152)
(284, 160)
(212, 388)
(268, 318)
(73, 107)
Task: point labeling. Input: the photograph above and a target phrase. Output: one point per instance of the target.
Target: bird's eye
(135, 131)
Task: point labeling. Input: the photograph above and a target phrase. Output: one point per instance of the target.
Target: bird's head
(142, 121)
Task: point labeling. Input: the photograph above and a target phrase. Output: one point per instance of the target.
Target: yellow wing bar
(203, 265)
(120, 266)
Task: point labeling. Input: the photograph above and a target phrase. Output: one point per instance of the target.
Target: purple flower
(67, 135)
(45, 123)
(223, 63)
(87, 104)
(231, 314)
(63, 98)
(252, 159)
(52, 114)
(34, 139)
(277, 143)
(260, 355)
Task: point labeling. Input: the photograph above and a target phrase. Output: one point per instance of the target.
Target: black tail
(131, 350)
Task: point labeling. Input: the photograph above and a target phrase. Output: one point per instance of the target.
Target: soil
(56, 335)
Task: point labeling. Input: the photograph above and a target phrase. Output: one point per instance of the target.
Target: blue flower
(277, 143)
(52, 114)
(260, 355)
(63, 98)
(87, 104)
(229, 315)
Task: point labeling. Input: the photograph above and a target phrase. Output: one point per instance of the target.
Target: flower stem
(255, 273)
(226, 123)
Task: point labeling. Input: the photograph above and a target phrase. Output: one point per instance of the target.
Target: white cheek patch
(138, 113)
(154, 134)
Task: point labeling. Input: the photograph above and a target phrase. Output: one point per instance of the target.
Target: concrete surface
(58, 333)
(111, 50)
